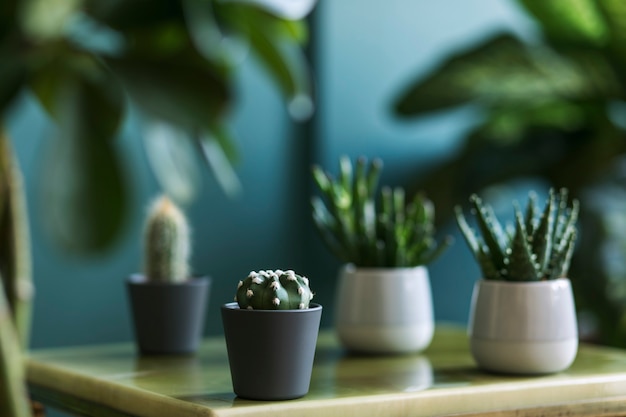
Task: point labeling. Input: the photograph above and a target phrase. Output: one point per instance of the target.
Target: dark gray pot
(271, 352)
(168, 318)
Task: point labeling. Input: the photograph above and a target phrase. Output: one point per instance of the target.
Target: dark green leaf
(182, 89)
(12, 79)
(129, 15)
(570, 22)
(614, 13)
(8, 16)
(211, 144)
(504, 72)
(82, 177)
(276, 43)
(171, 153)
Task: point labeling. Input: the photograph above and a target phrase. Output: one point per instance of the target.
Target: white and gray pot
(384, 310)
(523, 327)
(168, 318)
(271, 352)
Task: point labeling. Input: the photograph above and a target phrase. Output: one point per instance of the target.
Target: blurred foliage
(551, 109)
(86, 60)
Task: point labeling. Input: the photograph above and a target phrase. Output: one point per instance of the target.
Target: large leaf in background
(614, 13)
(504, 72)
(129, 15)
(275, 41)
(171, 153)
(284, 61)
(12, 75)
(8, 9)
(82, 179)
(181, 88)
(286, 9)
(217, 148)
(577, 22)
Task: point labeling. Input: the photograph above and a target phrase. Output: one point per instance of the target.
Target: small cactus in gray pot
(167, 243)
(274, 290)
(539, 247)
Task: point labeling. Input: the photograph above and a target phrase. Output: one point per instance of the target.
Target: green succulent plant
(539, 247)
(167, 243)
(274, 290)
(359, 231)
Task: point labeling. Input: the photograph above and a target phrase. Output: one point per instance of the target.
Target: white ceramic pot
(523, 327)
(384, 310)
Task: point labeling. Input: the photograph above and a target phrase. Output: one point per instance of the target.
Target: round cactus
(274, 290)
(167, 242)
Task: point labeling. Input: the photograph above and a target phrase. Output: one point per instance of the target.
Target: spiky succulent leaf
(544, 255)
(542, 238)
(369, 229)
(491, 230)
(521, 260)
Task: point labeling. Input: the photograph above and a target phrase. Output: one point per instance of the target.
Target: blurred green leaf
(182, 89)
(215, 145)
(171, 153)
(282, 58)
(82, 179)
(570, 22)
(286, 9)
(614, 13)
(505, 72)
(8, 16)
(130, 15)
(12, 77)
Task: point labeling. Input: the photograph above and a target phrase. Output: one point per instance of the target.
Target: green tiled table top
(112, 380)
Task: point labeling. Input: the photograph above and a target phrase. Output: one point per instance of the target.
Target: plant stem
(15, 257)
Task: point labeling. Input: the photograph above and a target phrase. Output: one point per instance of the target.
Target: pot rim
(233, 306)
(504, 283)
(140, 279)
(352, 268)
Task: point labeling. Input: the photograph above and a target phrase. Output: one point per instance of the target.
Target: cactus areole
(274, 290)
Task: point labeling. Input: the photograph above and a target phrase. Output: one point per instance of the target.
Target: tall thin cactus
(369, 233)
(540, 247)
(167, 242)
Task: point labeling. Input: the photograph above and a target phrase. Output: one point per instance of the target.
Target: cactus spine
(540, 247)
(167, 243)
(274, 290)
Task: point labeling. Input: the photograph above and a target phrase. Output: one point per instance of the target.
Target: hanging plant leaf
(272, 41)
(180, 88)
(574, 22)
(126, 16)
(171, 154)
(285, 9)
(503, 72)
(614, 13)
(216, 147)
(82, 176)
(12, 79)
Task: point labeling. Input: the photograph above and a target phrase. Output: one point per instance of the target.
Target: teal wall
(364, 51)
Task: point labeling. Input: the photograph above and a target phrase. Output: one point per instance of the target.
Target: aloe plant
(274, 290)
(539, 247)
(360, 230)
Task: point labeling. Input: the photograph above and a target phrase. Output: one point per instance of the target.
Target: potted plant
(523, 318)
(168, 306)
(271, 332)
(384, 301)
